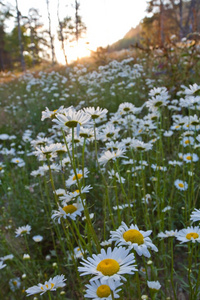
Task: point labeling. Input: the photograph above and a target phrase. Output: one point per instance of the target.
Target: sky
(107, 21)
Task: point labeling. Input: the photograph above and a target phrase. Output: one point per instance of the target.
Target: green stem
(190, 254)
(49, 295)
(88, 220)
(52, 182)
(172, 268)
(112, 295)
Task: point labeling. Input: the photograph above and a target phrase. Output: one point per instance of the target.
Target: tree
(33, 25)
(80, 27)
(64, 31)
(20, 37)
(179, 17)
(50, 35)
(5, 14)
(158, 5)
(70, 29)
(12, 44)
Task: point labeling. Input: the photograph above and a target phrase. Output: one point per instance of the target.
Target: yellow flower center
(108, 267)
(187, 142)
(194, 123)
(103, 291)
(23, 231)
(177, 126)
(15, 282)
(76, 191)
(133, 236)
(181, 185)
(193, 235)
(126, 108)
(159, 103)
(17, 161)
(72, 123)
(110, 134)
(189, 157)
(52, 285)
(69, 209)
(94, 116)
(78, 175)
(49, 287)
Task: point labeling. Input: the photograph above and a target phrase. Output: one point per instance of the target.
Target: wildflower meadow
(99, 179)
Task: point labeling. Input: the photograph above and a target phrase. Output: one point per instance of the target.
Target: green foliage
(26, 199)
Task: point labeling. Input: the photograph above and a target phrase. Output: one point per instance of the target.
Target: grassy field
(99, 179)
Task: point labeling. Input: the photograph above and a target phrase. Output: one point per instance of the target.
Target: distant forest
(29, 43)
(168, 19)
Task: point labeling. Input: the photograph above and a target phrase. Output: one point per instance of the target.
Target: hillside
(130, 37)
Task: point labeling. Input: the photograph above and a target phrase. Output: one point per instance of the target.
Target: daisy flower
(157, 101)
(141, 146)
(168, 133)
(195, 216)
(95, 112)
(188, 157)
(167, 233)
(98, 291)
(18, 161)
(155, 167)
(166, 208)
(51, 285)
(50, 114)
(115, 175)
(59, 192)
(162, 91)
(189, 234)
(2, 265)
(187, 141)
(71, 118)
(154, 285)
(70, 210)
(7, 257)
(122, 206)
(133, 238)
(87, 133)
(23, 230)
(126, 107)
(78, 253)
(109, 266)
(26, 256)
(192, 89)
(181, 185)
(72, 179)
(111, 155)
(46, 152)
(109, 132)
(37, 238)
(72, 195)
(106, 243)
(15, 284)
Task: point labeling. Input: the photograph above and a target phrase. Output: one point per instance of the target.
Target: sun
(74, 51)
